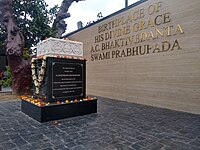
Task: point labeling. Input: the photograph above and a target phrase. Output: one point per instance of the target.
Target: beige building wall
(163, 72)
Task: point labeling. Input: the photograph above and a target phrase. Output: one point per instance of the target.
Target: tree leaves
(34, 19)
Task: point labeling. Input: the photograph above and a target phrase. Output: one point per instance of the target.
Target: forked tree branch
(59, 22)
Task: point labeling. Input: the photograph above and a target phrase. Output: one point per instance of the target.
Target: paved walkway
(117, 126)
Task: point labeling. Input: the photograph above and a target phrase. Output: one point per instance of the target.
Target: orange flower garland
(41, 102)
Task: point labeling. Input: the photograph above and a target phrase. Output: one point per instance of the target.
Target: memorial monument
(59, 77)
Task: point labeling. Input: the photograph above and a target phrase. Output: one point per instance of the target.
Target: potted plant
(6, 78)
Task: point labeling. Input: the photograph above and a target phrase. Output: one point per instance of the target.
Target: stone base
(55, 112)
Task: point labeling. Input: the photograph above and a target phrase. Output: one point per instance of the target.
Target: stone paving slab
(117, 126)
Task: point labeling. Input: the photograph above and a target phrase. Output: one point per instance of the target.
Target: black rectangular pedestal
(55, 112)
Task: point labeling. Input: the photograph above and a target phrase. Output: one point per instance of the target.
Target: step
(7, 96)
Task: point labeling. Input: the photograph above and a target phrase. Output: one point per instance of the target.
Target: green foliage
(34, 19)
(26, 54)
(7, 78)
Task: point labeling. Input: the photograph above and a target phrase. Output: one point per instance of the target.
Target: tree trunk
(20, 68)
(59, 22)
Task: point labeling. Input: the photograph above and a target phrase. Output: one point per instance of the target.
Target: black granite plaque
(65, 79)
